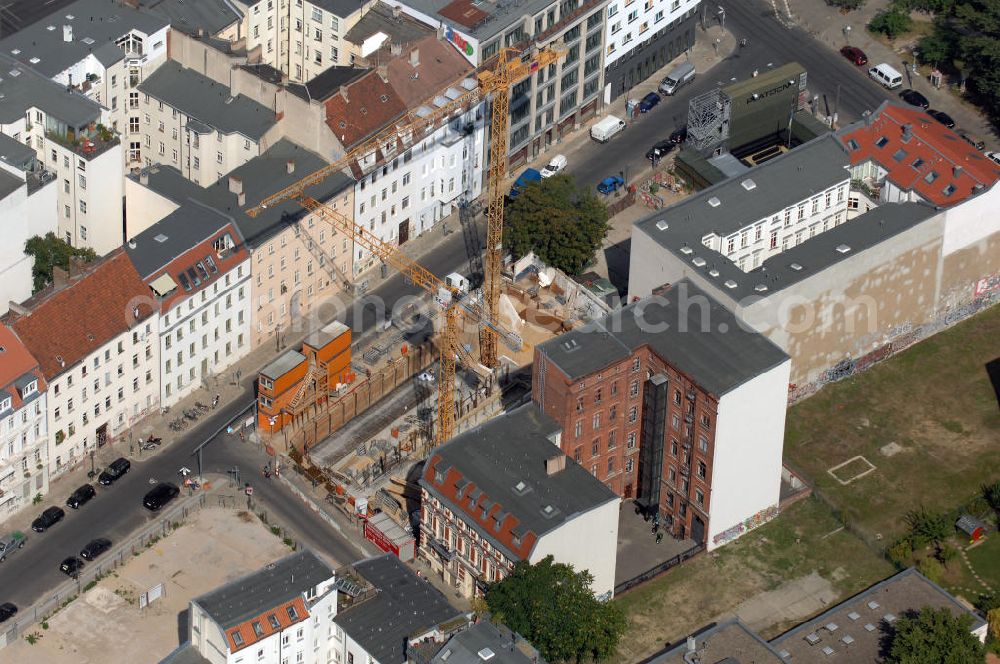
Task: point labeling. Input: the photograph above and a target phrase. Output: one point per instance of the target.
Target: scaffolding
(708, 121)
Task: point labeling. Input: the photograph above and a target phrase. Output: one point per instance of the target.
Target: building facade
(24, 450)
(663, 408)
(94, 336)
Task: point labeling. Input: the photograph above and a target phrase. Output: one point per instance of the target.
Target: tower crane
(510, 67)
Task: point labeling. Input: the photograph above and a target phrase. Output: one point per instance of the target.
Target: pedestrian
(659, 537)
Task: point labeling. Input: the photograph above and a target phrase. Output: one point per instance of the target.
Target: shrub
(946, 554)
(846, 4)
(901, 552)
(931, 568)
(891, 23)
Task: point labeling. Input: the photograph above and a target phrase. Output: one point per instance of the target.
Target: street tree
(49, 251)
(562, 223)
(934, 635)
(552, 606)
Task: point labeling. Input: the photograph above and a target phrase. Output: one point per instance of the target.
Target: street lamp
(847, 34)
(722, 17)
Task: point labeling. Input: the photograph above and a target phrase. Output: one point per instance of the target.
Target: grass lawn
(934, 401)
(792, 546)
(985, 559)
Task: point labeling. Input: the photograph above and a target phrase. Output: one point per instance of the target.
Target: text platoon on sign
(459, 41)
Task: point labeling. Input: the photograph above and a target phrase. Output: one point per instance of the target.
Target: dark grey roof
(96, 25)
(16, 153)
(725, 642)
(404, 605)
(259, 591)
(186, 653)
(172, 236)
(187, 16)
(283, 364)
(877, 607)
(341, 8)
(28, 89)
(264, 72)
(399, 29)
(684, 326)
(501, 15)
(261, 176)
(506, 646)
(326, 83)
(9, 184)
(503, 452)
(200, 97)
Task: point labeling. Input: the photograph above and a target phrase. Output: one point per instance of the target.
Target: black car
(7, 611)
(679, 135)
(114, 472)
(942, 117)
(81, 496)
(71, 566)
(914, 98)
(649, 102)
(95, 548)
(47, 519)
(660, 150)
(160, 495)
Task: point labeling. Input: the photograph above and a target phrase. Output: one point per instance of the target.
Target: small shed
(971, 526)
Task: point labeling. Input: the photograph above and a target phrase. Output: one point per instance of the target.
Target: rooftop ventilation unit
(486, 654)
(698, 261)
(713, 272)
(796, 267)
(662, 225)
(686, 250)
(714, 201)
(730, 283)
(760, 288)
(160, 238)
(749, 184)
(843, 249)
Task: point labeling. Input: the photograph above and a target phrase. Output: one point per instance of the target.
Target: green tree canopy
(563, 224)
(891, 23)
(51, 251)
(935, 635)
(552, 606)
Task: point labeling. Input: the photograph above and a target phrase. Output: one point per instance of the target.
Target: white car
(556, 164)
(995, 156)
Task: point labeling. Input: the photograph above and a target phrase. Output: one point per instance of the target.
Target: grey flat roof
(261, 177)
(500, 17)
(102, 21)
(726, 642)
(326, 334)
(341, 8)
(186, 653)
(464, 647)
(175, 234)
(16, 153)
(403, 606)
(9, 184)
(283, 364)
(255, 593)
(30, 89)
(501, 453)
(200, 97)
(901, 593)
(187, 16)
(683, 325)
(399, 30)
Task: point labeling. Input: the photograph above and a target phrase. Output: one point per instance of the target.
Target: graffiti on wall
(755, 521)
(988, 284)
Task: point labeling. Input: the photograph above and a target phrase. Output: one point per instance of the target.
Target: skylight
(843, 249)
(917, 163)
(881, 142)
(899, 155)
(714, 202)
(662, 225)
(730, 283)
(852, 145)
(949, 190)
(749, 184)
(698, 261)
(930, 177)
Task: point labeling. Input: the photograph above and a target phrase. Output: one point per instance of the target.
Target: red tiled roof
(931, 148)
(249, 635)
(464, 13)
(439, 65)
(66, 324)
(371, 104)
(15, 362)
(189, 260)
(473, 513)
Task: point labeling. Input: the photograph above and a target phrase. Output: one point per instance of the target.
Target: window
(595, 448)
(699, 496)
(702, 469)
(633, 413)
(317, 14)
(633, 389)
(630, 440)
(579, 429)
(237, 637)
(292, 615)
(83, 207)
(257, 629)
(597, 420)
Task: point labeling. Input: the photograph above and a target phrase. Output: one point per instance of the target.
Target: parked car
(680, 75)
(95, 548)
(660, 150)
(47, 519)
(679, 135)
(649, 102)
(914, 98)
(942, 117)
(555, 165)
(160, 495)
(995, 156)
(7, 611)
(114, 472)
(610, 184)
(523, 180)
(12, 542)
(855, 55)
(81, 496)
(971, 139)
(71, 566)
(606, 128)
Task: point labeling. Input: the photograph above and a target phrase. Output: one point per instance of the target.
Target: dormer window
(292, 614)
(5, 404)
(29, 389)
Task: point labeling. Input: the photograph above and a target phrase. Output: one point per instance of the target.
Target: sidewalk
(834, 30)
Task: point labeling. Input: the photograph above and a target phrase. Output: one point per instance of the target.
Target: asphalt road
(770, 44)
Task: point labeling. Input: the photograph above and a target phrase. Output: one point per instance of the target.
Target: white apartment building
(302, 38)
(198, 126)
(27, 208)
(102, 49)
(504, 492)
(24, 471)
(64, 129)
(198, 272)
(93, 335)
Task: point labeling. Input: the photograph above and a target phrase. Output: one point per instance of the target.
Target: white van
(680, 75)
(886, 75)
(603, 131)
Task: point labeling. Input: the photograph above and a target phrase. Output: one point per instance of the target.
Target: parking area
(215, 546)
(638, 550)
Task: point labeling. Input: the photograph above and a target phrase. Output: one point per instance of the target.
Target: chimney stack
(383, 73)
(67, 33)
(144, 177)
(554, 464)
(907, 132)
(440, 33)
(17, 308)
(956, 170)
(241, 198)
(289, 166)
(343, 93)
(235, 185)
(77, 266)
(60, 277)
(414, 57)
(396, 12)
